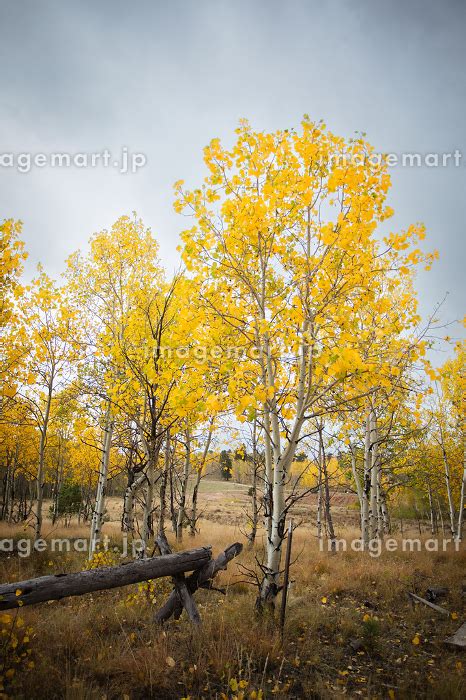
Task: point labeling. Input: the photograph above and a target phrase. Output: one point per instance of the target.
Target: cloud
(164, 77)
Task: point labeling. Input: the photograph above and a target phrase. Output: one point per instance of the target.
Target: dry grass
(102, 646)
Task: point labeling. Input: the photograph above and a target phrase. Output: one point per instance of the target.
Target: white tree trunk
(319, 505)
(128, 503)
(97, 515)
(459, 531)
(367, 485)
(282, 462)
(431, 510)
(373, 512)
(385, 515)
(193, 517)
(451, 507)
(268, 497)
(41, 469)
(357, 481)
(380, 500)
(184, 487)
(148, 507)
(163, 486)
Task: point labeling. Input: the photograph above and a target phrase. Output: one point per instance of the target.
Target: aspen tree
(284, 251)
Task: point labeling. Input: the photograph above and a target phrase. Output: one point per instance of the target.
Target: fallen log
(38, 590)
(185, 597)
(437, 608)
(201, 578)
(458, 640)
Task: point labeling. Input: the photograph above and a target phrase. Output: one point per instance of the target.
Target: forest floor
(350, 630)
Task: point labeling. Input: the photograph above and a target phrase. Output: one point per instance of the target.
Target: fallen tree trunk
(437, 608)
(201, 578)
(179, 580)
(38, 590)
(458, 640)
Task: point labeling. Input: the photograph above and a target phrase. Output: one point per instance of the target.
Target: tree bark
(319, 493)
(130, 492)
(451, 507)
(357, 480)
(97, 515)
(200, 578)
(431, 510)
(373, 511)
(366, 492)
(459, 531)
(328, 511)
(163, 486)
(38, 590)
(193, 517)
(184, 486)
(41, 469)
(147, 525)
(254, 519)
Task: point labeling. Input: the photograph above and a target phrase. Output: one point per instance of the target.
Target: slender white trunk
(373, 477)
(193, 518)
(255, 466)
(147, 526)
(278, 521)
(282, 458)
(431, 509)
(380, 500)
(319, 498)
(459, 531)
(58, 483)
(41, 469)
(320, 487)
(268, 498)
(451, 507)
(148, 507)
(367, 485)
(328, 513)
(442, 523)
(97, 515)
(184, 487)
(128, 503)
(282, 463)
(163, 485)
(385, 516)
(357, 481)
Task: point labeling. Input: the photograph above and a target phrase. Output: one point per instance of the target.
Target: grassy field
(350, 628)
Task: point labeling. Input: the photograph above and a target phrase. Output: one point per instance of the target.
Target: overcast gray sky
(163, 78)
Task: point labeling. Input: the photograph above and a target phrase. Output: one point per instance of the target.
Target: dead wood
(202, 578)
(38, 590)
